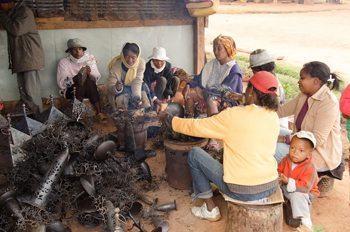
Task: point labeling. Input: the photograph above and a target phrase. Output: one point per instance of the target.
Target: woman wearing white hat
(158, 76)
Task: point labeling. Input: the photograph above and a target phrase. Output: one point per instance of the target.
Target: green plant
(290, 85)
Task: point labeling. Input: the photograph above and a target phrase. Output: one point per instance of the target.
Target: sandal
(213, 145)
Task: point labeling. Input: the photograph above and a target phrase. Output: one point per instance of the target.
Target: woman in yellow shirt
(249, 134)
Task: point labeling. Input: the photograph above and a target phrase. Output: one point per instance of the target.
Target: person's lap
(213, 172)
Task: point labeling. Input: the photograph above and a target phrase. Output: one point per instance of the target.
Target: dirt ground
(329, 214)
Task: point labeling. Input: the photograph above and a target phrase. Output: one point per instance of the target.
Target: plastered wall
(104, 43)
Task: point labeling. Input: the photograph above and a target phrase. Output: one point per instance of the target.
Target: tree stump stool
(325, 185)
(250, 217)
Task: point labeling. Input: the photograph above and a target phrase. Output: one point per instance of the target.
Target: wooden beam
(199, 46)
(60, 23)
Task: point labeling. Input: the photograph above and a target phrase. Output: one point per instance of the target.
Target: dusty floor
(329, 214)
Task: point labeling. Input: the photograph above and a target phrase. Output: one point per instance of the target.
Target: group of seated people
(131, 81)
(260, 151)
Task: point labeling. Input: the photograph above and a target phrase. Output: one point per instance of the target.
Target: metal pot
(177, 171)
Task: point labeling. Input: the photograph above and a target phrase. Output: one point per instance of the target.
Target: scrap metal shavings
(118, 180)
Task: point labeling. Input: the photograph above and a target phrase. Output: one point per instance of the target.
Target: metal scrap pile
(67, 171)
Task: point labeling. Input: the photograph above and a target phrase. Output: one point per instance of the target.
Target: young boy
(299, 178)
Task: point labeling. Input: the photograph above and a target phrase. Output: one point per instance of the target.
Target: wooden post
(199, 44)
(249, 218)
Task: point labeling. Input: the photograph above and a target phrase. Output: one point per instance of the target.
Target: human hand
(166, 118)
(135, 102)
(283, 178)
(234, 96)
(157, 103)
(88, 70)
(83, 71)
(118, 86)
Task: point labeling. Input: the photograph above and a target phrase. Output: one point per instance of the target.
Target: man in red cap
(26, 56)
(248, 172)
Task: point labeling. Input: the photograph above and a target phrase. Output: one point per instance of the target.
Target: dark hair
(269, 67)
(320, 70)
(131, 47)
(266, 100)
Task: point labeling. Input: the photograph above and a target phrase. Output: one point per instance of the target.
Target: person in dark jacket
(159, 78)
(26, 55)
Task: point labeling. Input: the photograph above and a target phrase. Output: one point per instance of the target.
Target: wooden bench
(248, 217)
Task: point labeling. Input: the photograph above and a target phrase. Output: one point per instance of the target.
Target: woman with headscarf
(126, 78)
(219, 73)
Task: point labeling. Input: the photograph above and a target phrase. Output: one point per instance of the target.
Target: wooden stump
(251, 218)
(325, 185)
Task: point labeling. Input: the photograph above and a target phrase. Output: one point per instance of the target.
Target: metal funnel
(88, 183)
(8, 199)
(104, 150)
(166, 206)
(146, 171)
(42, 194)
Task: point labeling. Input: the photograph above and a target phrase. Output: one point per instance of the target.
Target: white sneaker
(202, 212)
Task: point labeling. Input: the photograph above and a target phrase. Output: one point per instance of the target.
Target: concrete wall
(104, 43)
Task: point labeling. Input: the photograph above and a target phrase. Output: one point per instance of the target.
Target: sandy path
(299, 37)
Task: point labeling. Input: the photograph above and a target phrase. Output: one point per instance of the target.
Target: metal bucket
(140, 135)
(176, 169)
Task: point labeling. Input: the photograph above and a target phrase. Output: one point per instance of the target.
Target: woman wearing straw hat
(158, 76)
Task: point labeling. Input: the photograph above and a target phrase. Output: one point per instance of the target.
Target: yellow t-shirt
(249, 134)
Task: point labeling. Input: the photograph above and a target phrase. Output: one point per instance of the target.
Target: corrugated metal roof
(88, 10)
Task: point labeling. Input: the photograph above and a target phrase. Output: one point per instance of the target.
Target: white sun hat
(159, 53)
(306, 135)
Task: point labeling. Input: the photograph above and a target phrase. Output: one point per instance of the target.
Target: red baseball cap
(264, 81)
